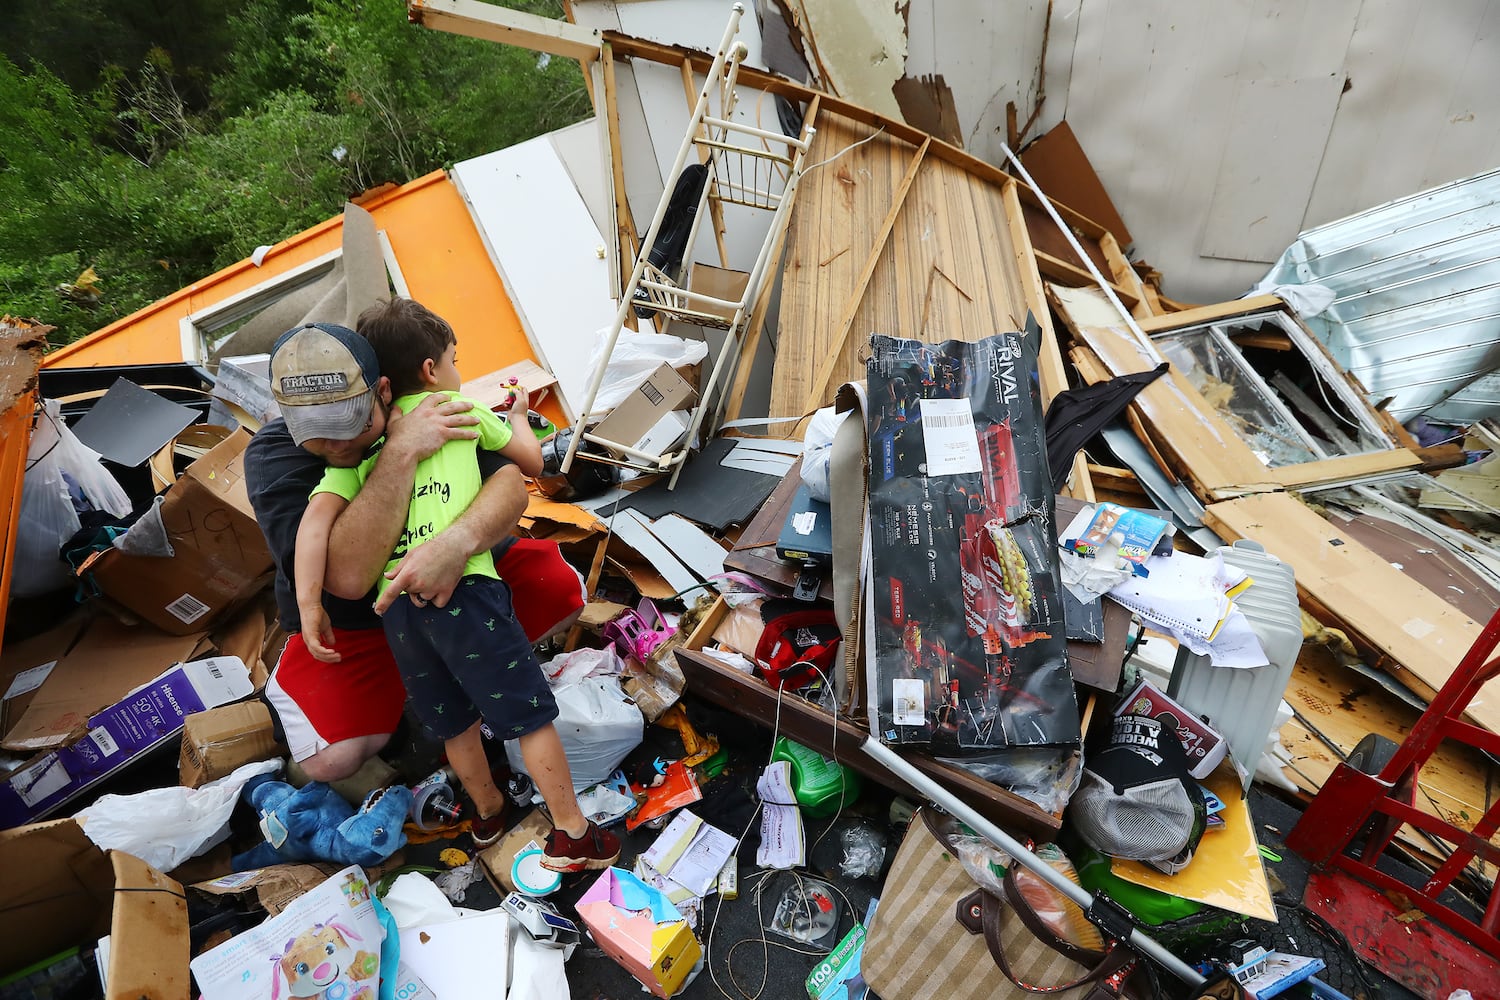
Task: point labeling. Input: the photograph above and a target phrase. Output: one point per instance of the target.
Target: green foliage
(160, 170)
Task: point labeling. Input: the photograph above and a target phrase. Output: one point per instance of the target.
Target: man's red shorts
(324, 703)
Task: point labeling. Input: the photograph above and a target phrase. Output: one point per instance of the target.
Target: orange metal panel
(20, 356)
(436, 244)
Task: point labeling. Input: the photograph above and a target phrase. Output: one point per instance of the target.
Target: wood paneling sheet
(1408, 629)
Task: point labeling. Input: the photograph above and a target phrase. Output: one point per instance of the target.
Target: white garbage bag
(598, 726)
(635, 357)
(817, 448)
(166, 826)
(57, 466)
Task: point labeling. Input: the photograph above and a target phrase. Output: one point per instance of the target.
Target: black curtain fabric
(1076, 415)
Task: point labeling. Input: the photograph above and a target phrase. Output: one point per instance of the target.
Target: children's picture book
(325, 945)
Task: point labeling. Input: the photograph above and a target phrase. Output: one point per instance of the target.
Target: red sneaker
(595, 850)
(488, 829)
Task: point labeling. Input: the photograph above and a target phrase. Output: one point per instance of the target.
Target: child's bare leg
(547, 763)
(467, 758)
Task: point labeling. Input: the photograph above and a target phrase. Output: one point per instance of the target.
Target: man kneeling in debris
(337, 716)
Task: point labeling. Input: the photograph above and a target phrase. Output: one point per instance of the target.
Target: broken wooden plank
(1345, 468)
(1215, 313)
(1195, 441)
(1401, 625)
(1340, 706)
(512, 27)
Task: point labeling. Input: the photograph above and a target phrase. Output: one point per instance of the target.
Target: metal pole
(937, 793)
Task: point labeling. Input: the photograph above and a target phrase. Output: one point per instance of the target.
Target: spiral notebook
(1188, 594)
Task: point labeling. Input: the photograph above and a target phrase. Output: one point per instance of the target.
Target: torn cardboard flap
(25, 665)
(148, 934)
(57, 885)
(274, 886)
(109, 660)
(220, 556)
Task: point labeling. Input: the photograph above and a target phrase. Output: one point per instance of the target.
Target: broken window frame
(204, 331)
(1369, 431)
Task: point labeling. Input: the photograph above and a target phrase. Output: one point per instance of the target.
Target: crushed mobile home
(867, 427)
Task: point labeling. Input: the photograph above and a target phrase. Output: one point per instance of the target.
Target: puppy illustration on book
(321, 963)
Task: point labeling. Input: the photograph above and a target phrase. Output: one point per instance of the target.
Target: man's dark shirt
(280, 477)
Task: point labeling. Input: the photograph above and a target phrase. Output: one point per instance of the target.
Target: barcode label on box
(948, 435)
(651, 393)
(187, 609)
(104, 741)
(213, 669)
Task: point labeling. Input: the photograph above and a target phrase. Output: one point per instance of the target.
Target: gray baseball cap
(323, 377)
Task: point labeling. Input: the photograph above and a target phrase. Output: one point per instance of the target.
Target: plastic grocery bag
(635, 357)
(58, 466)
(166, 826)
(598, 726)
(817, 448)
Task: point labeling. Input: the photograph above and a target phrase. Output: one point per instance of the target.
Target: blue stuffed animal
(314, 823)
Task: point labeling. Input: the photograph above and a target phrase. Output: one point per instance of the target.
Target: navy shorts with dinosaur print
(467, 661)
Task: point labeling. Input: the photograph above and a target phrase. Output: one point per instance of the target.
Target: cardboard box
(219, 555)
(639, 928)
(106, 662)
(65, 891)
(120, 735)
(25, 665)
(644, 408)
(665, 435)
(216, 742)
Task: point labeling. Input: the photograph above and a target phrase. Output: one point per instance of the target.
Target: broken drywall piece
(861, 49)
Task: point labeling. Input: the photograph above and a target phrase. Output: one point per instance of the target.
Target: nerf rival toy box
(970, 648)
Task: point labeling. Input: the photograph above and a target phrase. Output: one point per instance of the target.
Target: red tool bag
(798, 642)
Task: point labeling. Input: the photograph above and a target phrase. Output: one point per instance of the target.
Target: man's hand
(429, 572)
(436, 421)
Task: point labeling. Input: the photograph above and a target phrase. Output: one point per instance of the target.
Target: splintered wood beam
(1219, 311)
(857, 293)
(756, 324)
(627, 241)
(1071, 274)
(1054, 374)
(1124, 275)
(511, 27)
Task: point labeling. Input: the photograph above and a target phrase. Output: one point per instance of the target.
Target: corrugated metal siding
(1417, 312)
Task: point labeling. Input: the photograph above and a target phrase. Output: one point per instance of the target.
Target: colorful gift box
(638, 927)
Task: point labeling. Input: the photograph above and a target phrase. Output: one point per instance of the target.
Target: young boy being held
(468, 662)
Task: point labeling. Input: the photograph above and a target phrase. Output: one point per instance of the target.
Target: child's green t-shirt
(445, 483)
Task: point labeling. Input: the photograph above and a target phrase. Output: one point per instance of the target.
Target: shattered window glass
(1269, 382)
(1222, 377)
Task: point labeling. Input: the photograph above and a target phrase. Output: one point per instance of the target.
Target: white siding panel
(1269, 164)
(545, 246)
